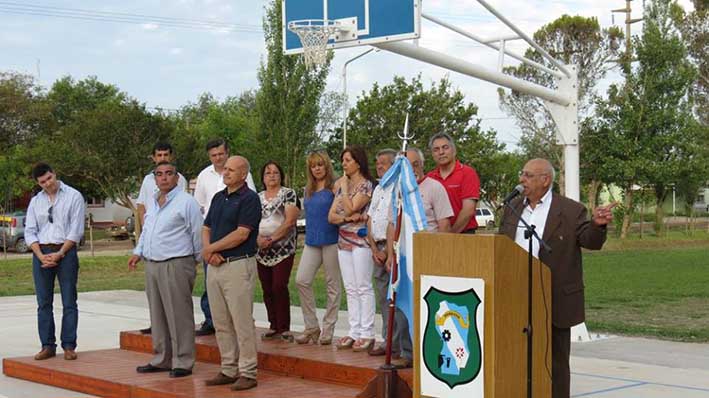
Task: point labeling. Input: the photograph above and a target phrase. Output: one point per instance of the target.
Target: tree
(648, 121)
(694, 28)
(574, 41)
(102, 140)
(288, 102)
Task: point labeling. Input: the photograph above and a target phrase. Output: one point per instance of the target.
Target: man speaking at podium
(563, 224)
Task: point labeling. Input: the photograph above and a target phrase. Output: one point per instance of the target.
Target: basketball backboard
(376, 21)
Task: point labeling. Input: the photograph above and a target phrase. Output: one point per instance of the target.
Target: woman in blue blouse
(320, 248)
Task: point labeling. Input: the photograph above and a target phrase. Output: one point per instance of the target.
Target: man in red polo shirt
(461, 182)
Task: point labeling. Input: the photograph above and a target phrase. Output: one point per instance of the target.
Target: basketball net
(314, 35)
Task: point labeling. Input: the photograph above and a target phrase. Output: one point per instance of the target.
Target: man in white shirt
(162, 152)
(209, 182)
(377, 221)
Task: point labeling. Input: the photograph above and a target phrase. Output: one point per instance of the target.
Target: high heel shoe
(345, 343)
(308, 336)
(325, 340)
(362, 345)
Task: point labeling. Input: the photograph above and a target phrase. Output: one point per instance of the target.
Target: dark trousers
(204, 301)
(274, 281)
(560, 370)
(67, 272)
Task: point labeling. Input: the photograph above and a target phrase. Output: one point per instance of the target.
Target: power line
(139, 19)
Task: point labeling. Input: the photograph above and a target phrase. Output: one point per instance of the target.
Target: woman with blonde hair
(320, 249)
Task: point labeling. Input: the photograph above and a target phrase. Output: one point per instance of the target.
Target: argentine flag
(405, 194)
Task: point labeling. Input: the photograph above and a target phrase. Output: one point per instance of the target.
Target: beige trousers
(230, 288)
(169, 288)
(310, 261)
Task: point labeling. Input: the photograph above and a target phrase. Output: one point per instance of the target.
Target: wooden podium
(502, 264)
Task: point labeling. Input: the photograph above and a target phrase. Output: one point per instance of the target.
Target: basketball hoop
(314, 35)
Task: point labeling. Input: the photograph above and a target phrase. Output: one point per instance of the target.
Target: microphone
(515, 192)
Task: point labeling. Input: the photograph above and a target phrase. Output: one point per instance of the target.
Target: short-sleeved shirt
(435, 203)
(349, 232)
(379, 210)
(318, 231)
(209, 182)
(229, 211)
(273, 214)
(462, 183)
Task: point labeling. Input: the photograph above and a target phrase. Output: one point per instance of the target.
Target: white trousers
(356, 267)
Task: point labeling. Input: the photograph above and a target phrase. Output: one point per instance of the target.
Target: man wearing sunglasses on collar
(54, 226)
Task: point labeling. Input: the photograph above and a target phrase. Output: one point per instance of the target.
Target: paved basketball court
(609, 367)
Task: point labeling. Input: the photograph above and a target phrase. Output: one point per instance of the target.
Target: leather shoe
(378, 350)
(244, 383)
(179, 372)
(204, 330)
(46, 353)
(146, 330)
(149, 368)
(69, 354)
(402, 363)
(220, 379)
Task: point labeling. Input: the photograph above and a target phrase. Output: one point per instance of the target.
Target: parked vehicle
(12, 230)
(485, 217)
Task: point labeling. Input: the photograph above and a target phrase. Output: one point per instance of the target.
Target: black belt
(237, 258)
(168, 259)
(53, 246)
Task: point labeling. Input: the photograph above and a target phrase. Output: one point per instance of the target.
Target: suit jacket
(567, 230)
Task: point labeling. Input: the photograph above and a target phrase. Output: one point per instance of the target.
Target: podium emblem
(451, 346)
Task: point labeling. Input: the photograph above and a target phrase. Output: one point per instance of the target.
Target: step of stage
(307, 361)
(111, 373)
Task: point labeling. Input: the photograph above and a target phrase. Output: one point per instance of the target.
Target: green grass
(661, 292)
(659, 289)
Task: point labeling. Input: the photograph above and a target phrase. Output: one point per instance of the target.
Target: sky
(166, 53)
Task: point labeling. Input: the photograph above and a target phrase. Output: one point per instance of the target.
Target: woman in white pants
(353, 192)
(320, 249)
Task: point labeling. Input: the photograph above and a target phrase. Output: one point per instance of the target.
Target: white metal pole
(491, 45)
(344, 90)
(525, 37)
(466, 68)
(501, 59)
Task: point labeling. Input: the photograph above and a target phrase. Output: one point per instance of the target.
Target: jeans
(204, 301)
(67, 273)
(356, 267)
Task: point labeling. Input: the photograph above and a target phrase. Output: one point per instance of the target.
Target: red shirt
(462, 183)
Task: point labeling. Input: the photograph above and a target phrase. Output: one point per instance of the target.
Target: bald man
(563, 224)
(229, 240)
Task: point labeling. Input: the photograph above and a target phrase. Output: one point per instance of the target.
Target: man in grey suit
(564, 225)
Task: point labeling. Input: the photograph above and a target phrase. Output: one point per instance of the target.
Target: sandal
(362, 345)
(345, 343)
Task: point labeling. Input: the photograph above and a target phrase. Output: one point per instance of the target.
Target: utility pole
(628, 21)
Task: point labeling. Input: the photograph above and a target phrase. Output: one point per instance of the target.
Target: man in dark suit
(564, 225)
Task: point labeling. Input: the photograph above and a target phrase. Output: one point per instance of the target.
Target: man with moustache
(564, 225)
(170, 244)
(229, 238)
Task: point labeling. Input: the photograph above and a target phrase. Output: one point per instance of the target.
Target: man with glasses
(162, 152)
(54, 226)
(170, 244)
(209, 182)
(564, 225)
(461, 182)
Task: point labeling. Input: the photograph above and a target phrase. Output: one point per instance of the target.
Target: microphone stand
(529, 233)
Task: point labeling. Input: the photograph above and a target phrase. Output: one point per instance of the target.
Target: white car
(485, 217)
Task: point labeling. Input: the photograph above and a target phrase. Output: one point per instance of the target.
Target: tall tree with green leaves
(694, 27)
(288, 103)
(573, 40)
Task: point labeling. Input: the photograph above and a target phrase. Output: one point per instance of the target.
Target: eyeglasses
(168, 173)
(528, 175)
(51, 219)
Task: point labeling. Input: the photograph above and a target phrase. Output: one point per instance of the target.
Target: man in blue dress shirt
(54, 226)
(171, 244)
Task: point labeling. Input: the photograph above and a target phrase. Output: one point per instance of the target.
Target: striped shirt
(67, 220)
